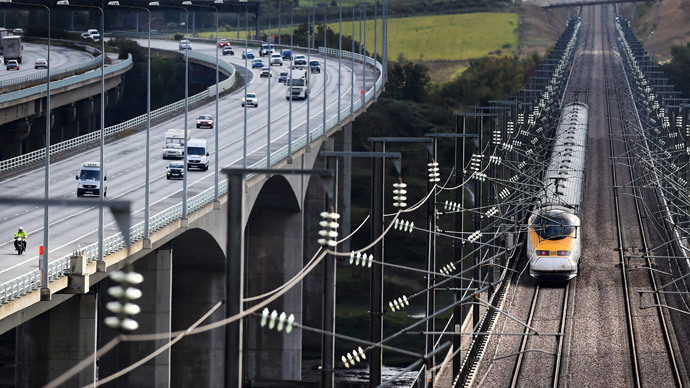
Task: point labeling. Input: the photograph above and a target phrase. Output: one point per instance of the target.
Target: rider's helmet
(21, 228)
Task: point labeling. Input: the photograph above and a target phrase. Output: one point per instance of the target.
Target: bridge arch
(273, 254)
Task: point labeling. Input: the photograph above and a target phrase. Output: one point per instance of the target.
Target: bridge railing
(29, 282)
(53, 73)
(38, 155)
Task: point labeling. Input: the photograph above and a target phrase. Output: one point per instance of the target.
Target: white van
(89, 179)
(197, 154)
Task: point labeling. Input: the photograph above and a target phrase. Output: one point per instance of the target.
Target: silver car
(173, 151)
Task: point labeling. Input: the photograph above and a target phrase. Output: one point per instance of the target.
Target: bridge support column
(55, 341)
(155, 317)
(274, 255)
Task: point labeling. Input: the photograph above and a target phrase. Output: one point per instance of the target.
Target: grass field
(443, 37)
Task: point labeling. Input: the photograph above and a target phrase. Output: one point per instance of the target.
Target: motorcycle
(20, 244)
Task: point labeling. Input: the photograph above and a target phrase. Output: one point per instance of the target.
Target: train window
(553, 227)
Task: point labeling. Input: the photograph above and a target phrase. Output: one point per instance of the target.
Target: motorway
(71, 229)
(59, 57)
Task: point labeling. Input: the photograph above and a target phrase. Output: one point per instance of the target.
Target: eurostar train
(554, 237)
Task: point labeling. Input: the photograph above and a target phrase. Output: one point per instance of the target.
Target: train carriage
(554, 236)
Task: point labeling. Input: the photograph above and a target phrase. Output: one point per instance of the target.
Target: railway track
(627, 195)
(533, 349)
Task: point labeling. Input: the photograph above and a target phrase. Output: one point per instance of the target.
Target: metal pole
(246, 80)
(101, 193)
(280, 22)
(352, 65)
(376, 291)
(147, 195)
(431, 264)
(325, 58)
(268, 122)
(340, 54)
(186, 113)
(292, 56)
(309, 47)
(459, 311)
(238, 24)
(329, 278)
(376, 19)
(234, 282)
(45, 289)
(216, 122)
(364, 60)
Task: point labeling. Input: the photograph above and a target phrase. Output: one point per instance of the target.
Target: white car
(276, 59)
(185, 44)
(251, 100)
(173, 151)
(41, 63)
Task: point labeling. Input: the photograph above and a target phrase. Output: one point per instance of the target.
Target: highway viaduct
(183, 263)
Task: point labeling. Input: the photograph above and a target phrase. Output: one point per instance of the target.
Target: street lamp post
(101, 193)
(215, 123)
(147, 241)
(45, 290)
(186, 104)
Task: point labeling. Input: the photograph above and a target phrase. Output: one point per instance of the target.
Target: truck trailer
(12, 48)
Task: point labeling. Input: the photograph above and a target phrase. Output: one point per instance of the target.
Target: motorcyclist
(21, 235)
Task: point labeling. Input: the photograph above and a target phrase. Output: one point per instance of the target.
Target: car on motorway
(175, 170)
(276, 59)
(257, 64)
(283, 76)
(223, 42)
(300, 62)
(12, 64)
(251, 100)
(41, 63)
(185, 44)
(227, 50)
(173, 151)
(94, 34)
(248, 54)
(266, 72)
(315, 67)
(286, 54)
(204, 121)
(17, 31)
(266, 49)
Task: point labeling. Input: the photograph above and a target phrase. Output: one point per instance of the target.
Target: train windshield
(554, 226)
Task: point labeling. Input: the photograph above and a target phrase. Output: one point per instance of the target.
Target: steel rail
(523, 342)
(660, 313)
(634, 363)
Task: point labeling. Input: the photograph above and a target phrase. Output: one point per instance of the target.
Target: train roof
(564, 177)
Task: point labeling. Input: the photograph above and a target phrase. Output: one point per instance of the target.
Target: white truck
(176, 136)
(197, 154)
(297, 85)
(12, 48)
(89, 179)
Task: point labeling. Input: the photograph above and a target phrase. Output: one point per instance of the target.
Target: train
(554, 230)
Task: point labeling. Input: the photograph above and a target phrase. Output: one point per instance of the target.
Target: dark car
(175, 170)
(248, 54)
(283, 77)
(227, 50)
(315, 67)
(286, 54)
(257, 63)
